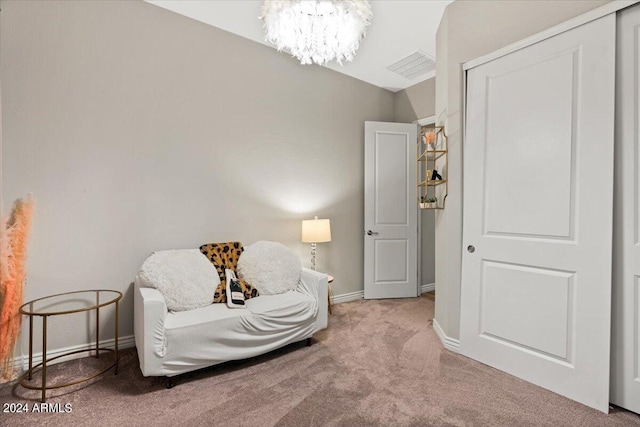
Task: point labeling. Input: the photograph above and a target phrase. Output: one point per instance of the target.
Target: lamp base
(313, 256)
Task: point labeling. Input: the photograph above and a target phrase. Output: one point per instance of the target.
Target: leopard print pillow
(222, 256)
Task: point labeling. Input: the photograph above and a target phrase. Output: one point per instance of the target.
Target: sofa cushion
(214, 334)
(270, 267)
(203, 315)
(184, 277)
(289, 304)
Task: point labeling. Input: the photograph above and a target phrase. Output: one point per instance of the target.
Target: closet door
(625, 360)
(538, 195)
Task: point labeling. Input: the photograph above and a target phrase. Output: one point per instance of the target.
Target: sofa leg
(170, 382)
(308, 342)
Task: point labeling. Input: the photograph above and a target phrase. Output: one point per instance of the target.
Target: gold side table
(68, 303)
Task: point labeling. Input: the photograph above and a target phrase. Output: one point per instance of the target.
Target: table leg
(97, 325)
(44, 359)
(329, 293)
(116, 334)
(30, 344)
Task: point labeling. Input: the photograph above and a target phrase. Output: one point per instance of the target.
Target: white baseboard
(351, 296)
(429, 287)
(448, 342)
(23, 361)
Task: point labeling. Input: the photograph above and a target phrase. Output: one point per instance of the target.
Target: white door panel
(391, 250)
(513, 313)
(625, 363)
(511, 211)
(538, 189)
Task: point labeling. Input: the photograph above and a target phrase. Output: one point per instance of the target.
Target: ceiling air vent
(415, 65)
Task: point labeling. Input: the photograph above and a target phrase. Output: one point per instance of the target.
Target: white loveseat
(172, 343)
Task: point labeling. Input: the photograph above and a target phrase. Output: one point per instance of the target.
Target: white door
(390, 210)
(538, 190)
(625, 361)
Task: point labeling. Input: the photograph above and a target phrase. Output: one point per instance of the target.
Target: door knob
(471, 249)
(372, 233)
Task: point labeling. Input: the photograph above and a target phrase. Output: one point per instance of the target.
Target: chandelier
(317, 30)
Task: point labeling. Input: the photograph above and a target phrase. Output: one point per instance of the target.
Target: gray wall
(414, 103)
(138, 130)
(470, 29)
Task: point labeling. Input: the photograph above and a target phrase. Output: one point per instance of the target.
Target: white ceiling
(399, 28)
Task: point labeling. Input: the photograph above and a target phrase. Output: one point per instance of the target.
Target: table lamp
(315, 231)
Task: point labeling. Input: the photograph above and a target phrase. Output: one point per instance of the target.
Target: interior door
(538, 191)
(625, 363)
(390, 211)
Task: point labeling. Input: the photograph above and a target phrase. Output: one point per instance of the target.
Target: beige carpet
(378, 363)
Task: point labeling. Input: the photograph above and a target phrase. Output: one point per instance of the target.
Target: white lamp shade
(316, 230)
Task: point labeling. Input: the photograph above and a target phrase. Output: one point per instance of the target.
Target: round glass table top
(70, 302)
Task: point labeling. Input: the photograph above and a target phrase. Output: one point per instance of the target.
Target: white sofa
(172, 343)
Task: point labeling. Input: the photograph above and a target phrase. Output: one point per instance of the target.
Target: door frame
(624, 387)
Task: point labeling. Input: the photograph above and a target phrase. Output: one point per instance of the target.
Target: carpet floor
(378, 363)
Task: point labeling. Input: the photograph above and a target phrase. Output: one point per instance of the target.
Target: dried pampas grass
(14, 234)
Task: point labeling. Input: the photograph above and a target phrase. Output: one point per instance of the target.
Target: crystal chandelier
(317, 30)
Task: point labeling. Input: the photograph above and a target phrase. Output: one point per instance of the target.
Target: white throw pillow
(186, 278)
(270, 267)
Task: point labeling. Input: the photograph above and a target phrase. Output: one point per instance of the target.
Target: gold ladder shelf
(432, 155)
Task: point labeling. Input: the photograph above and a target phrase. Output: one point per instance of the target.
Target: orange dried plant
(430, 137)
(14, 234)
